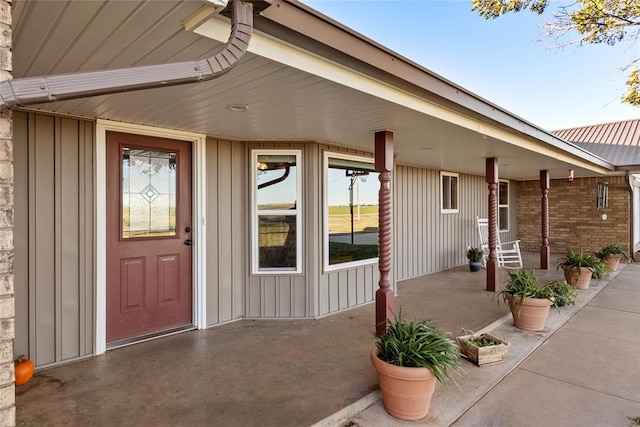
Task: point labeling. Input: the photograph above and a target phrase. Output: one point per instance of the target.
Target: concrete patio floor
(582, 370)
(256, 373)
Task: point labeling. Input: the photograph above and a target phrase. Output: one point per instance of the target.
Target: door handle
(188, 242)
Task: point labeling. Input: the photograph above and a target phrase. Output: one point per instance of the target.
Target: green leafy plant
(481, 340)
(616, 250)
(584, 259)
(475, 254)
(523, 283)
(563, 293)
(419, 344)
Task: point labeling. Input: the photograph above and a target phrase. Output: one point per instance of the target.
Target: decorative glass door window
(148, 193)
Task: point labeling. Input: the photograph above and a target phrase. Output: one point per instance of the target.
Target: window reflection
(148, 193)
(352, 211)
(276, 193)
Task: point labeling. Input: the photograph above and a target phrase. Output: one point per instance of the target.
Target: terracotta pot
(532, 316)
(579, 280)
(612, 262)
(406, 392)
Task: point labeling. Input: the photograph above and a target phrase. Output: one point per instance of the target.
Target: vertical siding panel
(285, 296)
(324, 297)
(370, 284)
(21, 232)
(299, 297)
(239, 267)
(213, 256)
(269, 296)
(313, 226)
(87, 238)
(343, 289)
(42, 240)
(361, 285)
(254, 291)
(225, 232)
(68, 177)
(352, 283)
(334, 292)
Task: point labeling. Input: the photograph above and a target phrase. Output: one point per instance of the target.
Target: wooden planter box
(483, 356)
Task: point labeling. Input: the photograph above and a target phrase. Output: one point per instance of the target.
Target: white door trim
(199, 225)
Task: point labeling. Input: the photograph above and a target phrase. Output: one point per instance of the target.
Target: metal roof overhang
(304, 78)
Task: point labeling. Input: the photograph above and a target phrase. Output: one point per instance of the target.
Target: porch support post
(384, 165)
(492, 262)
(545, 251)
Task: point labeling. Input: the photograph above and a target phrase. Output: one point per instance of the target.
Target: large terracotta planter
(578, 277)
(406, 392)
(532, 316)
(612, 262)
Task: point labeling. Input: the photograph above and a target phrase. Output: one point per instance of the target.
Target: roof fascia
(302, 26)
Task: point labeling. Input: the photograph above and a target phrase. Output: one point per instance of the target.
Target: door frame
(198, 174)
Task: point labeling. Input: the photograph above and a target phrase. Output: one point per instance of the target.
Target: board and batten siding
(270, 296)
(54, 237)
(426, 240)
(343, 288)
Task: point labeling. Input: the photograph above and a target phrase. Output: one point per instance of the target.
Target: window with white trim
(351, 211)
(276, 195)
(503, 205)
(448, 192)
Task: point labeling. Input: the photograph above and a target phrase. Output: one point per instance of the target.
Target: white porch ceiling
(285, 103)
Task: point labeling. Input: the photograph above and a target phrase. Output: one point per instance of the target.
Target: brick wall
(574, 222)
(7, 390)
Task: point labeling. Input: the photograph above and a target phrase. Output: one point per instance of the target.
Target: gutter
(37, 90)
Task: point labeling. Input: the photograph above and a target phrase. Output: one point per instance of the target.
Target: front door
(149, 287)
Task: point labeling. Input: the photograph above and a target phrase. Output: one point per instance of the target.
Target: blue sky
(506, 61)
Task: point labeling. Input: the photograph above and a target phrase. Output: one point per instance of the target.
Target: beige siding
(54, 228)
(337, 289)
(426, 240)
(281, 296)
(226, 230)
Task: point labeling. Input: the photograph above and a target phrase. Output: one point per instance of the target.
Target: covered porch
(290, 372)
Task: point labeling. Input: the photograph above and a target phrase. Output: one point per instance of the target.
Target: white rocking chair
(508, 252)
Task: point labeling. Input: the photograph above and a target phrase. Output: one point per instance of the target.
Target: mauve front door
(149, 278)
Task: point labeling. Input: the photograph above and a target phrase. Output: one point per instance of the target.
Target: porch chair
(508, 252)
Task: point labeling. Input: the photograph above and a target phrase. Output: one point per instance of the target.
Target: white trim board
(199, 224)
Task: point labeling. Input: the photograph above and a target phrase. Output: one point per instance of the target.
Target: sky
(505, 61)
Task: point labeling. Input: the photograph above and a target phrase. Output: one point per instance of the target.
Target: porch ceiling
(284, 103)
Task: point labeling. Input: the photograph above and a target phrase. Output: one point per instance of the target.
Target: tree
(595, 21)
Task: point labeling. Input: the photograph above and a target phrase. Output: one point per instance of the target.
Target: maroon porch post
(492, 262)
(545, 251)
(384, 165)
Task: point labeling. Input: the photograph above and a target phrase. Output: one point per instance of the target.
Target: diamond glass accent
(148, 193)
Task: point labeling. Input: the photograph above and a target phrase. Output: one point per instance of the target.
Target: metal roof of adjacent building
(626, 132)
(616, 142)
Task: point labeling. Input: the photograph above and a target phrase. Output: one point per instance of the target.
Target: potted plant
(528, 302)
(563, 293)
(482, 349)
(475, 257)
(409, 358)
(580, 266)
(612, 254)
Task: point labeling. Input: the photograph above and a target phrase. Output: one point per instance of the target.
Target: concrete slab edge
(343, 415)
(600, 286)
